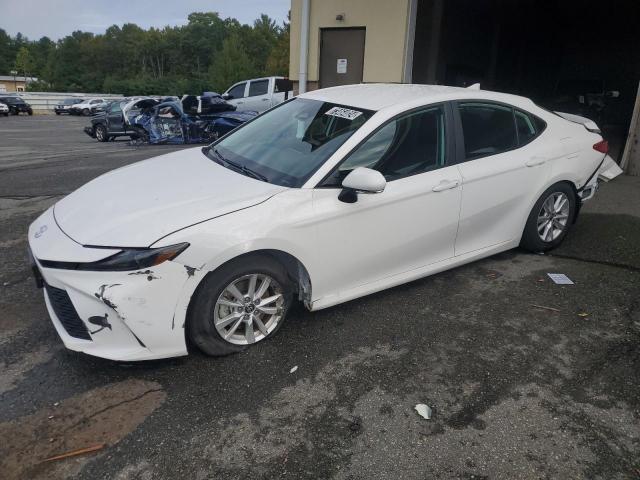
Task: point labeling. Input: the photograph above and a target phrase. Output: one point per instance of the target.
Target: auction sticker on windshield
(343, 113)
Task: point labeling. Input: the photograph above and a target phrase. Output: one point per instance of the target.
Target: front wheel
(86, 112)
(550, 219)
(242, 303)
(101, 133)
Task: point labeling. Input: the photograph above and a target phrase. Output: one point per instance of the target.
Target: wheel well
(577, 198)
(296, 271)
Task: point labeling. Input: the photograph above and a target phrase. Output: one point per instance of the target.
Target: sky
(58, 18)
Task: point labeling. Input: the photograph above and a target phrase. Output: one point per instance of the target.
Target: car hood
(135, 206)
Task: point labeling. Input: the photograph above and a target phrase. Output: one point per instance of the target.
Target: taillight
(602, 146)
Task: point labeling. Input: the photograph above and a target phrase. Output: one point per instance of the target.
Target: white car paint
(416, 226)
(89, 104)
(258, 103)
(3, 108)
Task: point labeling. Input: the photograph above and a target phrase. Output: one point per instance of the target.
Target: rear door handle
(446, 185)
(265, 99)
(535, 161)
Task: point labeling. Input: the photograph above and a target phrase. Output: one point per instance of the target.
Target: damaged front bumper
(135, 315)
(89, 131)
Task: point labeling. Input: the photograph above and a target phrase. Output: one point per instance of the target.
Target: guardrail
(43, 102)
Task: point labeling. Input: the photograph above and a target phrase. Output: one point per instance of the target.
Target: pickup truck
(259, 94)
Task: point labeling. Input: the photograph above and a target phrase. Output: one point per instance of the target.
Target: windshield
(71, 101)
(288, 144)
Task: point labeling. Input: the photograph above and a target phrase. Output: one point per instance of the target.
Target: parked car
(336, 194)
(259, 94)
(65, 105)
(4, 110)
(16, 105)
(88, 107)
(195, 119)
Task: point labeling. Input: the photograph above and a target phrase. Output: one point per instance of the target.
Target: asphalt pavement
(526, 379)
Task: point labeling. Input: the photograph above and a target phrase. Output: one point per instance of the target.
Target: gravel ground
(517, 391)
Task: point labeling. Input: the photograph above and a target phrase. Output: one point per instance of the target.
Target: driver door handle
(446, 185)
(535, 161)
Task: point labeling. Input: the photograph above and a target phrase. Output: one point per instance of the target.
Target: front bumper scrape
(134, 315)
(129, 315)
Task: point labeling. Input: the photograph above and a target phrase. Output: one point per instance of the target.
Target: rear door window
(258, 87)
(488, 129)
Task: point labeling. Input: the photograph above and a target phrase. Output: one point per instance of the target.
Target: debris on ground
(293, 369)
(583, 314)
(73, 453)
(423, 410)
(560, 279)
(551, 309)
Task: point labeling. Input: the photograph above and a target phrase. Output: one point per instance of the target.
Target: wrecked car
(114, 121)
(333, 195)
(193, 119)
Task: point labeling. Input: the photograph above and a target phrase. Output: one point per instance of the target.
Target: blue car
(194, 119)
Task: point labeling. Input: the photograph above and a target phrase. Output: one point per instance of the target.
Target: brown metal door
(341, 56)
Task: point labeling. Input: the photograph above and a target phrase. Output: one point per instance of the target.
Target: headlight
(127, 259)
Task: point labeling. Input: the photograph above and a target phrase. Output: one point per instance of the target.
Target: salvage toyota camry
(330, 196)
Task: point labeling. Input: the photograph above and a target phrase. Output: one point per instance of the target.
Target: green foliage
(208, 53)
(231, 64)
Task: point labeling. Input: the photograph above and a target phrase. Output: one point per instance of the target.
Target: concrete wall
(386, 32)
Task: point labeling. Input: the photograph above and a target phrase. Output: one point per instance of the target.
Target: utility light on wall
(340, 17)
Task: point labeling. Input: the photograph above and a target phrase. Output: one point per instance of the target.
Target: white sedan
(330, 196)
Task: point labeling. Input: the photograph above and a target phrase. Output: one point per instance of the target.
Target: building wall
(386, 35)
(8, 86)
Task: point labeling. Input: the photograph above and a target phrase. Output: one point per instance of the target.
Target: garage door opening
(575, 56)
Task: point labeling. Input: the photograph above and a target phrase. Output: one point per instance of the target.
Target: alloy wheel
(249, 309)
(553, 216)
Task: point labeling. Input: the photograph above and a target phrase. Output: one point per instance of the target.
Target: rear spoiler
(588, 124)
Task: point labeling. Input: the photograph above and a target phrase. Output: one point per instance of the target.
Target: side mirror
(227, 96)
(361, 180)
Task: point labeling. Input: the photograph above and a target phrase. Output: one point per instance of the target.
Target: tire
(204, 309)
(101, 133)
(141, 134)
(553, 217)
(86, 112)
(6, 114)
(57, 113)
(30, 112)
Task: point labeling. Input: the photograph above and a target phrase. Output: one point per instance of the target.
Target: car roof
(378, 96)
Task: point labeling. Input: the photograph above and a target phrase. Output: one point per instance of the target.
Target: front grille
(66, 313)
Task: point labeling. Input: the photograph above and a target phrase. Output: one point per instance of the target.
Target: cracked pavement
(517, 391)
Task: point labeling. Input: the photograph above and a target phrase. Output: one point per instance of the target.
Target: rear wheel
(86, 112)
(550, 219)
(242, 303)
(101, 133)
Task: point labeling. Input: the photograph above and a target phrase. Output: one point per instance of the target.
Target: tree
(206, 52)
(231, 64)
(278, 59)
(24, 62)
